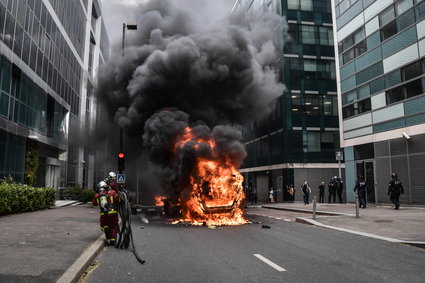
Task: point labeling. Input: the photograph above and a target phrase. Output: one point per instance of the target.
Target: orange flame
(159, 200)
(216, 190)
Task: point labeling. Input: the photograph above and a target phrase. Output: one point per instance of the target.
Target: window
(310, 69)
(327, 141)
(413, 88)
(348, 42)
(349, 97)
(296, 105)
(348, 56)
(294, 64)
(358, 35)
(330, 105)
(403, 5)
(360, 48)
(348, 111)
(394, 95)
(364, 106)
(357, 39)
(307, 5)
(389, 30)
(411, 71)
(344, 6)
(297, 141)
(313, 141)
(294, 4)
(312, 105)
(307, 34)
(387, 16)
(326, 36)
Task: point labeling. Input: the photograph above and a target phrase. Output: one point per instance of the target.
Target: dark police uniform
(340, 188)
(332, 190)
(361, 192)
(321, 193)
(395, 188)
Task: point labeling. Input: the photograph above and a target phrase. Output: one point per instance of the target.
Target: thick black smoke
(203, 74)
(166, 127)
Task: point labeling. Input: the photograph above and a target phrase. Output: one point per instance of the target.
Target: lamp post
(128, 26)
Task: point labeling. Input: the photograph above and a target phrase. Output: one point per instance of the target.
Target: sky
(116, 12)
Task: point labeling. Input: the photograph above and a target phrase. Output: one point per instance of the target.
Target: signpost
(121, 178)
(339, 155)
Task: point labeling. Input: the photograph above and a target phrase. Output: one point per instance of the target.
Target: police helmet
(394, 175)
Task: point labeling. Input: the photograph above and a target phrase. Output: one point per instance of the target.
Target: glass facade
(25, 103)
(12, 156)
(386, 61)
(46, 86)
(381, 49)
(27, 28)
(310, 101)
(303, 128)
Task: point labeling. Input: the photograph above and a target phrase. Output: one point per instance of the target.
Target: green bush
(15, 198)
(86, 195)
(78, 193)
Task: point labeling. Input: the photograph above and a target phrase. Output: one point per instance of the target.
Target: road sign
(120, 178)
(339, 155)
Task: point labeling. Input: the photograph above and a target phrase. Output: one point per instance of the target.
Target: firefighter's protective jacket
(107, 201)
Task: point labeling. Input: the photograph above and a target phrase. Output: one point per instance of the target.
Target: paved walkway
(405, 225)
(41, 246)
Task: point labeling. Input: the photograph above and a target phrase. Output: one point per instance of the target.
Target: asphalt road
(300, 253)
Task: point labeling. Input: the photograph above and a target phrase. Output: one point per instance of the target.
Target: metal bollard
(314, 207)
(357, 206)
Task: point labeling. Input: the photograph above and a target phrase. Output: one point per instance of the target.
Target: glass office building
(381, 91)
(299, 139)
(50, 50)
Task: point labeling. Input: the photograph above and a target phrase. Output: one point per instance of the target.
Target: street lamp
(129, 26)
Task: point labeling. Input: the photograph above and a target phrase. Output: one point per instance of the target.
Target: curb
(318, 212)
(312, 222)
(74, 272)
(59, 204)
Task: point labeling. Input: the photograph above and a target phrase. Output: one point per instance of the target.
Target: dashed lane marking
(269, 262)
(287, 220)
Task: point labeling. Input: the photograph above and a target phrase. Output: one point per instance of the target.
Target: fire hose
(125, 235)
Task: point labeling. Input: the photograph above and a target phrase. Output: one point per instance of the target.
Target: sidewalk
(406, 225)
(41, 246)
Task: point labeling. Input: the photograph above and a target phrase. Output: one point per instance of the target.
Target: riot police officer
(360, 188)
(339, 189)
(332, 189)
(322, 192)
(395, 188)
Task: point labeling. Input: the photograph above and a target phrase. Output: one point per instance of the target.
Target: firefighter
(360, 189)
(394, 189)
(107, 199)
(111, 180)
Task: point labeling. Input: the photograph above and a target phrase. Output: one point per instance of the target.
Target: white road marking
(272, 264)
(287, 220)
(278, 218)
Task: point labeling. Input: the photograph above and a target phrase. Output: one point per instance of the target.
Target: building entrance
(366, 169)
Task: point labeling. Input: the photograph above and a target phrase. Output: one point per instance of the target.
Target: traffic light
(121, 161)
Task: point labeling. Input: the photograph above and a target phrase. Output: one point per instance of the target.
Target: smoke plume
(178, 71)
